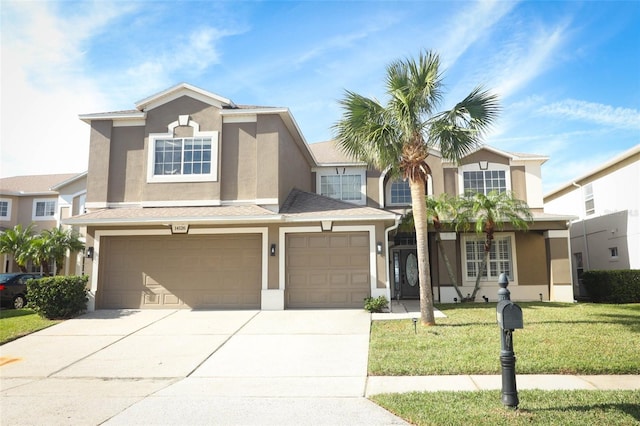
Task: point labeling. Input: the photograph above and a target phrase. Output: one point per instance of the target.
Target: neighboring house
(196, 202)
(41, 200)
(606, 202)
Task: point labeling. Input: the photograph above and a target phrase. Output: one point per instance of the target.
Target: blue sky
(567, 72)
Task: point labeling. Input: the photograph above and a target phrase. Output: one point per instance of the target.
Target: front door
(405, 274)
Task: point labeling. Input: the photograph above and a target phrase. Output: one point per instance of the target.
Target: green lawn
(556, 339)
(16, 323)
(579, 408)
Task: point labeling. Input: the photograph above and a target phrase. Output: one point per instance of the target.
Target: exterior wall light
(379, 247)
(90, 252)
(272, 250)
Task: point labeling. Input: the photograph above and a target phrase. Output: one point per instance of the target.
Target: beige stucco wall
(99, 159)
(519, 182)
(373, 188)
(531, 255)
(485, 155)
(208, 118)
(238, 166)
(450, 179)
(292, 167)
(127, 165)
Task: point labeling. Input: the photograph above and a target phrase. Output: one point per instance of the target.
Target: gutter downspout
(386, 242)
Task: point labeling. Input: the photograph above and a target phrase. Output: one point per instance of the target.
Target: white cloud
(525, 59)
(624, 118)
(473, 22)
(44, 87)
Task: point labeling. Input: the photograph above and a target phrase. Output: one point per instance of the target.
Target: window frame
(390, 192)
(488, 278)
(343, 172)
(489, 167)
(589, 201)
(9, 205)
(153, 138)
(35, 216)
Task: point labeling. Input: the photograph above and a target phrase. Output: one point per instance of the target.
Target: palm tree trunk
(483, 265)
(418, 204)
(445, 259)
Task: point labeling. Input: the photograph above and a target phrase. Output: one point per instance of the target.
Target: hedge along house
(196, 202)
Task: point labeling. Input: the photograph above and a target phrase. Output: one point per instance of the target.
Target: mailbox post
(509, 317)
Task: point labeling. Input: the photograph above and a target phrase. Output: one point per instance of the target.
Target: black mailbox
(509, 315)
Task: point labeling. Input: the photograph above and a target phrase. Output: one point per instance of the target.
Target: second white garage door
(327, 270)
(180, 271)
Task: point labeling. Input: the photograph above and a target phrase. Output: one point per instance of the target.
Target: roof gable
(183, 89)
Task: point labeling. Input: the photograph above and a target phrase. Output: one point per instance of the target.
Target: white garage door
(180, 271)
(327, 270)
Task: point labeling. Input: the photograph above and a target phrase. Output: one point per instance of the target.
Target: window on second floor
(44, 209)
(183, 159)
(342, 184)
(182, 156)
(400, 192)
(5, 209)
(484, 181)
(589, 203)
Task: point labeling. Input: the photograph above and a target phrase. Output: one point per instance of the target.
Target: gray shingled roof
(32, 184)
(300, 204)
(329, 153)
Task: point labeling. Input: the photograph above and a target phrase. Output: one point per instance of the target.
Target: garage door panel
(327, 270)
(214, 271)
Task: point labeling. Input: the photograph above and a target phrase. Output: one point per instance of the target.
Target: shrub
(376, 304)
(58, 297)
(621, 286)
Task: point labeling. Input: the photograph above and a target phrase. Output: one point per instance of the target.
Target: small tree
(17, 242)
(489, 213)
(53, 244)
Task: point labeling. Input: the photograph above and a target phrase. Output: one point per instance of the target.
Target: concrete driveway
(192, 367)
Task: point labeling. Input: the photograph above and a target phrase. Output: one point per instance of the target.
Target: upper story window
(485, 181)
(183, 159)
(589, 203)
(400, 192)
(484, 177)
(44, 209)
(182, 156)
(346, 184)
(5, 209)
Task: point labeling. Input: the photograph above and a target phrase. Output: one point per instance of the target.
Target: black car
(13, 289)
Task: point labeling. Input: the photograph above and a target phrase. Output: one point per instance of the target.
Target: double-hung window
(500, 258)
(589, 203)
(183, 159)
(400, 192)
(345, 186)
(484, 181)
(5, 209)
(182, 156)
(44, 209)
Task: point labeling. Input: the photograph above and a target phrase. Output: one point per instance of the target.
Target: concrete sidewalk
(400, 384)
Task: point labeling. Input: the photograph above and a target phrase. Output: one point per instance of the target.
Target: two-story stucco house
(43, 201)
(196, 202)
(606, 205)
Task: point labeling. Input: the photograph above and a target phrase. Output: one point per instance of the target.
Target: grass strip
(557, 339)
(15, 323)
(577, 407)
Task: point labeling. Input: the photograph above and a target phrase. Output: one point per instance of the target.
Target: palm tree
(443, 212)
(490, 213)
(16, 242)
(53, 244)
(397, 136)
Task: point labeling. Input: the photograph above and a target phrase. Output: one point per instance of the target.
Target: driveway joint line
(111, 344)
(223, 343)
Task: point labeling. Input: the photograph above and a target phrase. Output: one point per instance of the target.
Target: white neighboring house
(606, 201)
